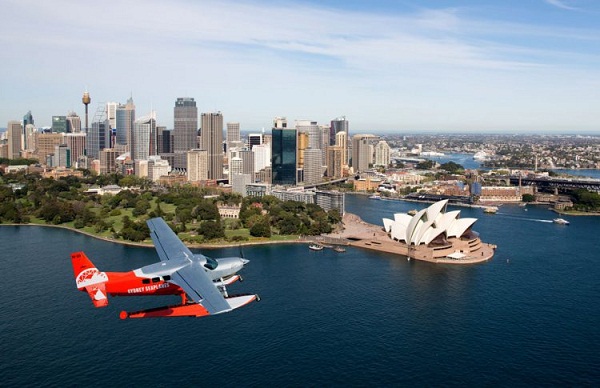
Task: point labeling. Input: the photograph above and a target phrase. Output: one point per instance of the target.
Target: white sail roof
(427, 224)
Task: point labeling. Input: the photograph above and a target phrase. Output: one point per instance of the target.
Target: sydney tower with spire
(86, 101)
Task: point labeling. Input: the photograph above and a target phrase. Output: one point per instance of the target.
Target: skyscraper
(382, 154)
(98, 138)
(76, 143)
(339, 124)
(111, 114)
(73, 123)
(59, 124)
(28, 119)
(362, 153)
(254, 139)
(233, 133)
(125, 117)
(14, 133)
(313, 166)
(212, 139)
(341, 141)
(185, 130)
(283, 153)
(143, 129)
(197, 165)
(164, 140)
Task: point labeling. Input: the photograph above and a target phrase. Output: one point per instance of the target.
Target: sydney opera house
(432, 234)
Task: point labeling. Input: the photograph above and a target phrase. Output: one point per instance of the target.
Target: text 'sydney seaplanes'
(199, 280)
(431, 234)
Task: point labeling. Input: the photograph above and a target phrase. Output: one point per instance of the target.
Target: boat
(481, 156)
(316, 247)
(339, 249)
(375, 196)
(560, 221)
(490, 209)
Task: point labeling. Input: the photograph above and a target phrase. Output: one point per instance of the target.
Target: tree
(528, 198)
(261, 228)
(426, 165)
(206, 210)
(211, 230)
(452, 167)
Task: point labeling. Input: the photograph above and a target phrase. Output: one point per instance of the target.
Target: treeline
(28, 198)
(586, 201)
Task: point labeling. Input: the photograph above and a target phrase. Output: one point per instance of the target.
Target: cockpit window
(211, 263)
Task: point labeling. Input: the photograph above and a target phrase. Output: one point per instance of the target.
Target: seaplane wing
(192, 278)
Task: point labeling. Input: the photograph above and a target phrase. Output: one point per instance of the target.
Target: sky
(520, 66)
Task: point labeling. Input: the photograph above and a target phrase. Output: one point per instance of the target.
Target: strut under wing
(192, 278)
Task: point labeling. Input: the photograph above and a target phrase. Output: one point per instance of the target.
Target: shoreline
(151, 245)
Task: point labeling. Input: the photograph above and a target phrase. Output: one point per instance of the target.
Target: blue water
(467, 161)
(527, 317)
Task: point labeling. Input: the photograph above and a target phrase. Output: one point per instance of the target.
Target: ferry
(490, 210)
(560, 221)
(316, 247)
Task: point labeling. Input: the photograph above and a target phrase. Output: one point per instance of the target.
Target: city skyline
(386, 66)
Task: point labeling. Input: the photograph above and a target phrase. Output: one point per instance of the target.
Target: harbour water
(467, 161)
(527, 317)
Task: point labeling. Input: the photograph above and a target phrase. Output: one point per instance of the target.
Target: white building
(382, 154)
(262, 156)
(157, 167)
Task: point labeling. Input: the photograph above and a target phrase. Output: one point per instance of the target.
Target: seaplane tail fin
(88, 278)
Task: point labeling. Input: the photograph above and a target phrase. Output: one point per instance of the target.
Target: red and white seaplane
(200, 280)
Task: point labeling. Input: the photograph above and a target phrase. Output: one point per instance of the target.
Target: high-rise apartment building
(362, 151)
(382, 154)
(212, 139)
(197, 165)
(185, 130)
(313, 167)
(125, 117)
(283, 153)
(341, 141)
(108, 160)
(14, 136)
(335, 162)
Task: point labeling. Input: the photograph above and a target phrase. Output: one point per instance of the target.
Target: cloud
(254, 61)
(561, 4)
